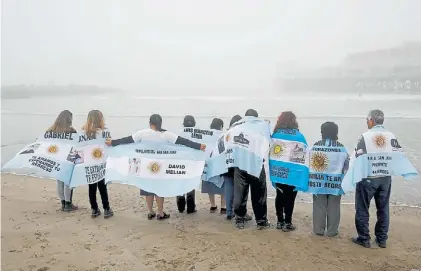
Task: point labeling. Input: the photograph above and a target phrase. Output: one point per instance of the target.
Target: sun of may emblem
(97, 153)
(154, 167)
(379, 141)
(52, 149)
(278, 149)
(319, 161)
(228, 137)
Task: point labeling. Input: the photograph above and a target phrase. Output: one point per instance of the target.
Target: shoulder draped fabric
(92, 156)
(245, 145)
(327, 162)
(208, 137)
(381, 156)
(288, 159)
(162, 168)
(51, 156)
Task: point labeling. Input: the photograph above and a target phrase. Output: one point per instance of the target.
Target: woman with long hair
(63, 124)
(155, 133)
(95, 124)
(286, 194)
(210, 188)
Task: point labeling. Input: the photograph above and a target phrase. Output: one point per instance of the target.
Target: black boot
(95, 212)
(63, 203)
(69, 207)
(181, 203)
(108, 213)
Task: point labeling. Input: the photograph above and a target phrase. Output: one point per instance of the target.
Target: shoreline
(37, 236)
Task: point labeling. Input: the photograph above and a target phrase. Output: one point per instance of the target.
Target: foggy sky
(186, 45)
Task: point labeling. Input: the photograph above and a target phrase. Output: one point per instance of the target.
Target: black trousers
(284, 202)
(379, 188)
(191, 205)
(242, 182)
(102, 191)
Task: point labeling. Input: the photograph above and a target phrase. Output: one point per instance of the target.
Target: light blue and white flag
(288, 162)
(383, 157)
(91, 161)
(245, 145)
(168, 170)
(208, 137)
(48, 157)
(328, 163)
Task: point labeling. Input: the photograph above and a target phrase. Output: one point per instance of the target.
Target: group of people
(237, 183)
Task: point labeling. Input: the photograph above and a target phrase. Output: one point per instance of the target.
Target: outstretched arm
(188, 143)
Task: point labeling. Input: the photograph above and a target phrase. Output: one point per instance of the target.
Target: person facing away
(63, 124)
(378, 187)
(210, 188)
(95, 124)
(229, 185)
(188, 122)
(327, 195)
(285, 193)
(242, 182)
(155, 133)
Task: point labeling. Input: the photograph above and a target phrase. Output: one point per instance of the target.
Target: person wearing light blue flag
(378, 157)
(50, 156)
(155, 134)
(287, 167)
(93, 169)
(328, 163)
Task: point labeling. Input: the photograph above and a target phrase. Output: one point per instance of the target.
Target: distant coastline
(26, 92)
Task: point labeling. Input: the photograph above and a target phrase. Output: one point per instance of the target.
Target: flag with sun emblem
(47, 157)
(328, 163)
(165, 169)
(90, 156)
(288, 159)
(381, 156)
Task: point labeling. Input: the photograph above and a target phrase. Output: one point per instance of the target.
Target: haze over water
(207, 59)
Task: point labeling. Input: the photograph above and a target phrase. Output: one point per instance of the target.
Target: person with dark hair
(242, 182)
(155, 133)
(327, 189)
(251, 113)
(229, 185)
(287, 127)
(189, 122)
(210, 188)
(63, 124)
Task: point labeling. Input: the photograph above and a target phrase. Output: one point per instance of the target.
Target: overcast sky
(182, 44)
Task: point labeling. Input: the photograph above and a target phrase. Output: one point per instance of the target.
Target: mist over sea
(126, 112)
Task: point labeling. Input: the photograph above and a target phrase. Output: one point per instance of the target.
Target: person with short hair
(325, 180)
(155, 133)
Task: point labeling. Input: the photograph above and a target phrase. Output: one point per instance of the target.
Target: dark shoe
(288, 227)
(181, 203)
(248, 217)
(280, 225)
(381, 244)
(358, 241)
(239, 223)
(69, 207)
(264, 225)
(230, 217)
(108, 213)
(151, 216)
(213, 209)
(191, 211)
(223, 211)
(162, 217)
(63, 204)
(95, 213)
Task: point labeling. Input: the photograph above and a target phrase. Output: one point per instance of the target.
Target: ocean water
(23, 120)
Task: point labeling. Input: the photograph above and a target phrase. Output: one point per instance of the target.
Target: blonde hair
(94, 123)
(63, 123)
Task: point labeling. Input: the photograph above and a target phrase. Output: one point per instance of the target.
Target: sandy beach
(37, 236)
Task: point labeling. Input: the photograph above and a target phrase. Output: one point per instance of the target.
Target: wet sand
(37, 236)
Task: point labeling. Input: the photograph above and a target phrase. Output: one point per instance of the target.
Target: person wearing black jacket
(155, 133)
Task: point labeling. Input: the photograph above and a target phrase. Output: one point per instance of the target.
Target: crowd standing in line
(237, 183)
